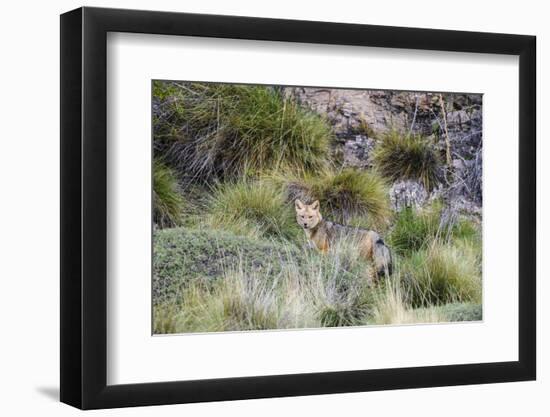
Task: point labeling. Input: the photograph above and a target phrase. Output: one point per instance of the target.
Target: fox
(324, 233)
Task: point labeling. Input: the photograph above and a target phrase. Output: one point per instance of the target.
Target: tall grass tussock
(442, 274)
(344, 194)
(219, 131)
(414, 229)
(252, 207)
(408, 156)
(390, 308)
(440, 258)
(167, 201)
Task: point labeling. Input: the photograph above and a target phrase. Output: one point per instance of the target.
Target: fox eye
(311, 217)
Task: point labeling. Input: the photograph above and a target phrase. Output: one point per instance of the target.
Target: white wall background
(29, 238)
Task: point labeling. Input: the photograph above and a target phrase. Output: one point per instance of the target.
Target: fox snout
(307, 215)
(307, 222)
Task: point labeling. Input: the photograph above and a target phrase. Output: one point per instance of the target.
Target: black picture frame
(84, 207)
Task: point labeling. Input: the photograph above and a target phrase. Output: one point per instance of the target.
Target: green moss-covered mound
(183, 255)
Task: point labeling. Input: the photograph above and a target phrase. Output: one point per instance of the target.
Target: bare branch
(447, 140)
(414, 116)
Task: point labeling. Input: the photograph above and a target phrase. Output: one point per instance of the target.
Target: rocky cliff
(453, 121)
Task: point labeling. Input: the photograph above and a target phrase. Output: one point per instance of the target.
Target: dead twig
(447, 140)
(414, 116)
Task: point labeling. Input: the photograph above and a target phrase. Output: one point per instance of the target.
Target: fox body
(324, 234)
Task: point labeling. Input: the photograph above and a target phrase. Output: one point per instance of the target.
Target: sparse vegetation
(408, 156)
(363, 128)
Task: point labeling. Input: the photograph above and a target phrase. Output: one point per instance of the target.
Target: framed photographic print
(257, 208)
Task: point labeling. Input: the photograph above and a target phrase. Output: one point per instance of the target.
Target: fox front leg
(324, 247)
(310, 245)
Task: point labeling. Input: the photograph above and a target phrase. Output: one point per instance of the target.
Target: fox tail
(382, 258)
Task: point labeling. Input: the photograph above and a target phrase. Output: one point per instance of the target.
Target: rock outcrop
(360, 117)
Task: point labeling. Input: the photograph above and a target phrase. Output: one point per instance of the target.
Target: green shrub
(344, 195)
(414, 229)
(167, 200)
(221, 130)
(163, 90)
(253, 208)
(408, 157)
(468, 230)
(442, 274)
(182, 256)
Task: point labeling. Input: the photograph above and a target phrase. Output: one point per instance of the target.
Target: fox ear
(298, 204)
(315, 205)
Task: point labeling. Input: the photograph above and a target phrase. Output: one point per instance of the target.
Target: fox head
(307, 215)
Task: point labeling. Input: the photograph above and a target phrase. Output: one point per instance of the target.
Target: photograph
(264, 209)
(292, 207)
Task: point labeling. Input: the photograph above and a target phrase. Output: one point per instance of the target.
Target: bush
(182, 256)
(415, 229)
(442, 274)
(408, 157)
(167, 200)
(467, 230)
(213, 131)
(344, 195)
(253, 208)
